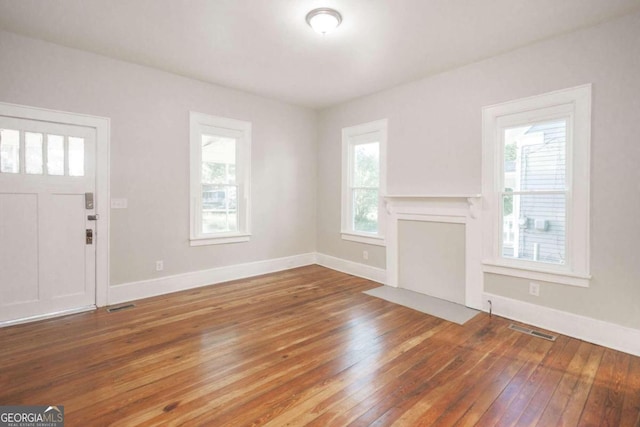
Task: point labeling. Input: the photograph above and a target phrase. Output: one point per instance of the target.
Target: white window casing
(238, 132)
(367, 133)
(574, 106)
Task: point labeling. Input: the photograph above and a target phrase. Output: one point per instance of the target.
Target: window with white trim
(220, 179)
(536, 185)
(363, 182)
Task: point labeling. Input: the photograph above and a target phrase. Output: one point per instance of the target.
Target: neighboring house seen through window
(536, 185)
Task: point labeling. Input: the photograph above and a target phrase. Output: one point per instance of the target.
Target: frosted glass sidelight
(76, 156)
(55, 155)
(9, 151)
(33, 160)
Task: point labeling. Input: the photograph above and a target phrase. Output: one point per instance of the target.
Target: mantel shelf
(432, 196)
(403, 201)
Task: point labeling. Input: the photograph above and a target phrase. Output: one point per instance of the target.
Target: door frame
(102, 126)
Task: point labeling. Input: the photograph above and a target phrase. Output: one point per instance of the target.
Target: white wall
(149, 113)
(434, 147)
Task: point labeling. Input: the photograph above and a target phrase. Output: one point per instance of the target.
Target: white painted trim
(200, 123)
(462, 209)
(546, 276)
(356, 269)
(585, 328)
(432, 196)
(46, 316)
(180, 282)
(102, 126)
(361, 238)
(575, 105)
(235, 238)
(375, 131)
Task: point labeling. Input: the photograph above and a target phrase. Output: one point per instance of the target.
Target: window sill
(364, 238)
(221, 240)
(565, 278)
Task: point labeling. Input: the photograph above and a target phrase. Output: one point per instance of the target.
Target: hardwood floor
(307, 347)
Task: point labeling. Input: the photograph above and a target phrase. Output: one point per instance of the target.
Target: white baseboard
(180, 282)
(46, 316)
(361, 270)
(588, 329)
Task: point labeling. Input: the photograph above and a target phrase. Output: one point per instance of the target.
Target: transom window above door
(37, 153)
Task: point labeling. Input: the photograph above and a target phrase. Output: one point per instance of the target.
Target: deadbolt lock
(88, 201)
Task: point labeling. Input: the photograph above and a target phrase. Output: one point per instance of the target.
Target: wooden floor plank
(307, 347)
(566, 388)
(436, 402)
(514, 389)
(631, 408)
(418, 393)
(479, 397)
(338, 394)
(548, 385)
(605, 401)
(576, 403)
(360, 408)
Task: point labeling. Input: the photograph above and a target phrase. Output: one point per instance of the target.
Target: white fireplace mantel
(416, 203)
(449, 208)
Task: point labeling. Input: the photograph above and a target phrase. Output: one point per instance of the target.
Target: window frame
(573, 105)
(375, 131)
(240, 130)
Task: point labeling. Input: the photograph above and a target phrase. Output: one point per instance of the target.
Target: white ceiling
(266, 47)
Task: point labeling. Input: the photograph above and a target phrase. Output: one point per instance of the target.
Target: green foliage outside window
(366, 182)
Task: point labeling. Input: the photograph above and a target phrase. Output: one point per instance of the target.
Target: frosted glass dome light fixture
(324, 20)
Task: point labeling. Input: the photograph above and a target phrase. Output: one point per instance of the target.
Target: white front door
(47, 238)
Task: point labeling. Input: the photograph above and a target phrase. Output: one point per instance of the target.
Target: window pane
(535, 156)
(9, 151)
(534, 227)
(219, 208)
(76, 156)
(218, 160)
(33, 152)
(365, 210)
(55, 155)
(366, 167)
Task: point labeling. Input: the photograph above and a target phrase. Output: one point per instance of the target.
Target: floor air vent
(532, 332)
(120, 308)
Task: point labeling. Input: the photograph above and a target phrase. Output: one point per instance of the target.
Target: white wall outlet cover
(119, 203)
(534, 288)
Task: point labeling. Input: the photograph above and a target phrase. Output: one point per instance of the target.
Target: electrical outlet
(365, 255)
(159, 265)
(534, 289)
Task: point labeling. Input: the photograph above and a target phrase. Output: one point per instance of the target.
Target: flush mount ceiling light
(324, 20)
